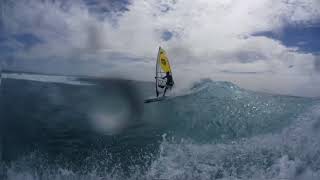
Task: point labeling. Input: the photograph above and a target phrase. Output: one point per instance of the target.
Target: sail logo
(164, 62)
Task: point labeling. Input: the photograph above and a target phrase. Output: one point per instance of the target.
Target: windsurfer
(169, 82)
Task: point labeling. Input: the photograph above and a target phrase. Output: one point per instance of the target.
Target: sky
(264, 45)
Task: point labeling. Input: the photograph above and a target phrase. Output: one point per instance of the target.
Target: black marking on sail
(163, 61)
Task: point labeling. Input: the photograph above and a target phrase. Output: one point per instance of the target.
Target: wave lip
(220, 111)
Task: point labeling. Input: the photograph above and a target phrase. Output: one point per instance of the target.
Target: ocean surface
(57, 127)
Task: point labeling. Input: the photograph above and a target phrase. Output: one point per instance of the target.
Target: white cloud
(209, 36)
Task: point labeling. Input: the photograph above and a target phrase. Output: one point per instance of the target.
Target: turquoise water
(213, 130)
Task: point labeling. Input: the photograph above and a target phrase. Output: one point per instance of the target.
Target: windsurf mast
(157, 67)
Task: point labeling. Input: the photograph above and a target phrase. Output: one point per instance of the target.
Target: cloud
(204, 38)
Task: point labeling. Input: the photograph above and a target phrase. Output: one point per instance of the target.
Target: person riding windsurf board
(164, 78)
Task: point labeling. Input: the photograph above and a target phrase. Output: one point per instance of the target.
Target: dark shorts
(170, 84)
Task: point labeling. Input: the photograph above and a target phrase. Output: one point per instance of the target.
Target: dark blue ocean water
(94, 128)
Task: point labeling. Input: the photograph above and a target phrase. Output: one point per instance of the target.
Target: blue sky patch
(107, 6)
(306, 38)
(166, 35)
(28, 39)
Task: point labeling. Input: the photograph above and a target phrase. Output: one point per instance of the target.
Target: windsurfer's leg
(165, 90)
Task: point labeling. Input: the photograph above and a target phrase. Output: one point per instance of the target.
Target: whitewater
(96, 128)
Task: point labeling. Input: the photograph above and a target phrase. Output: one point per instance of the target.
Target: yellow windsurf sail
(164, 61)
(162, 68)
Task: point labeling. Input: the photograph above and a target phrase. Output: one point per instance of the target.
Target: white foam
(290, 154)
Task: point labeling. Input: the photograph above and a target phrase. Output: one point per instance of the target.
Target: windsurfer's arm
(159, 77)
(164, 77)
